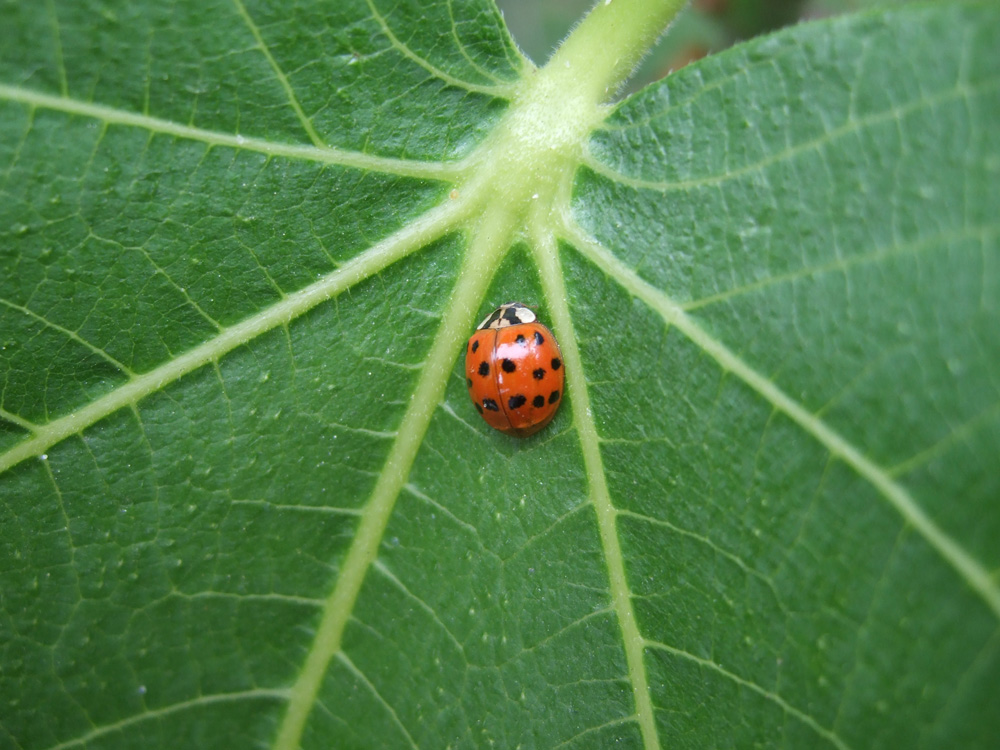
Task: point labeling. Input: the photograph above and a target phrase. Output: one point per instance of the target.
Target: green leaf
(244, 498)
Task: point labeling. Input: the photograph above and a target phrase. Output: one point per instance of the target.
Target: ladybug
(514, 372)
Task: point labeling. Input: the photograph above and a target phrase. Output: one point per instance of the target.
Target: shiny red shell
(514, 371)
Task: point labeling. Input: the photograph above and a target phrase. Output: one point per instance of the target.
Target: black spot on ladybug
(484, 368)
(468, 382)
(508, 366)
(556, 364)
(510, 315)
(538, 402)
(539, 373)
(490, 404)
(479, 408)
(539, 338)
(475, 345)
(516, 402)
(553, 397)
(520, 340)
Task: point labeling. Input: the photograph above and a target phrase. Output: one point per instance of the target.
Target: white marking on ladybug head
(509, 314)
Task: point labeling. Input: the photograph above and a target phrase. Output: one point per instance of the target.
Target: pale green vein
(19, 421)
(72, 335)
(968, 569)
(543, 533)
(415, 235)
(850, 127)
(325, 510)
(461, 47)
(242, 598)
(500, 91)
(491, 239)
(519, 61)
(70, 542)
(57, 47)
(978, 673)
(160, 270)
(412, 489)
(552, 636)
(321, 155)
(159, 713)
(733, 558)
(282, 78)
(962, 432)
(785, 706)
(343, 658)
(427, 608)
(546, 255)
(594, 730)
(902, 250)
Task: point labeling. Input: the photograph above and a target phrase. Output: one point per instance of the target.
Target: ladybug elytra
(513, 369)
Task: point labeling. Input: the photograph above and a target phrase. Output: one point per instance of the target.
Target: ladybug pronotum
(514, 372)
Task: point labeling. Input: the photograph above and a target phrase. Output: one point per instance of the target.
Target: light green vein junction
(969, 569)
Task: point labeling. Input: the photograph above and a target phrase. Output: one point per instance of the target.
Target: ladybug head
(509, 314)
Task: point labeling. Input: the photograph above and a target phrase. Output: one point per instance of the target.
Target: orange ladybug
(513, 369)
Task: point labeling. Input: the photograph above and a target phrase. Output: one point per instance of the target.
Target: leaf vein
(402, 587)
(850, 127)
(770, 695)
(293, 100)
(490, 242)
(503, 91)
(158, 713)
(465, 53)
(324, 155)
(418, 233)
(969, 569)
(911, 249)
(353, 669)
(73, 335)
(546, 256)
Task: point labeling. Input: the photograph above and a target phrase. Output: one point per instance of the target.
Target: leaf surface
(244, 498)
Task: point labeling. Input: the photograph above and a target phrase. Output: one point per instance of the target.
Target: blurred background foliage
(705, 26)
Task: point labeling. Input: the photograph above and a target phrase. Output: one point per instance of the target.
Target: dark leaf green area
(862, 259)
(740, 518)
(203, 64)
(166, 554)
(849, 255)
(145, 245)
(819, 204)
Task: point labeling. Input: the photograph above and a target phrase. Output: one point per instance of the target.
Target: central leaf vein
(555, 293)
(490, 241)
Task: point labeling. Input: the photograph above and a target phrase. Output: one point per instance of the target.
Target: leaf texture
(244, 500)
